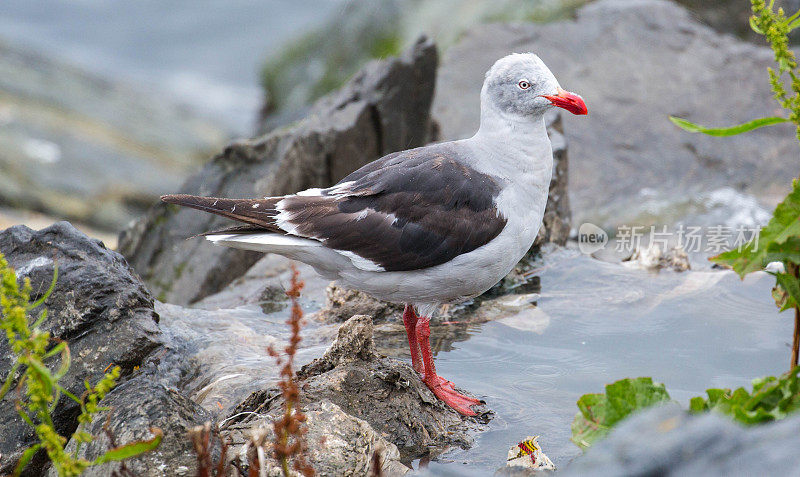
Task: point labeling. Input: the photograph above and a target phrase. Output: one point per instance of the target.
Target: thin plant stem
(796, 340)
(796, 343)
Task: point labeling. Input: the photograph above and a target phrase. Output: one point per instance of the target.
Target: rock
(324, 58)
(265, 284)
(529, 455)
(321, 59)
(733, 16)
(136, 406)
(557, 218)
(342, 303)
(653, 258)
(339, 444)
(99, 306)
(353, 343)
(668, 441)
(385, 393)
(617, 54)
(383, 109)
(78, 146)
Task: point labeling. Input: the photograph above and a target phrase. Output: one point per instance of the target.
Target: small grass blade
(729, 131)
(131, 450)
(25, 459)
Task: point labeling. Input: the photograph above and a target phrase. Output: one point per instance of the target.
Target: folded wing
(407, 211)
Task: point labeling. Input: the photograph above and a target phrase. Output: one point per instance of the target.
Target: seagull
(427, 226)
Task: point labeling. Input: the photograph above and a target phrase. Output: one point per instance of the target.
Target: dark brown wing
(407, 211)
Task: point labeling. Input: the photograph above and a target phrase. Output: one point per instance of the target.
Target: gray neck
(514, 142)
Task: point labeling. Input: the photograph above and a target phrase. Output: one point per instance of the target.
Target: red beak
(569, 101)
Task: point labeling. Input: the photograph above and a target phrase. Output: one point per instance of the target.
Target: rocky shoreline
(132, 308)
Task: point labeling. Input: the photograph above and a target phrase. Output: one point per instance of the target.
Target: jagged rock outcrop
(383, 109)
(387, 396)
(99, 306)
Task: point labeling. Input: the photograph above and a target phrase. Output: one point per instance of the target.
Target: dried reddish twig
(202, 438)
(290, 444)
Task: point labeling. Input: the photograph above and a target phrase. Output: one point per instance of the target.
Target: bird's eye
(523, 84)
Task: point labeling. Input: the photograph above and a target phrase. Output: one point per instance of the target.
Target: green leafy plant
(771, 399)
(600, 412)
(38, 388)
(779, 241)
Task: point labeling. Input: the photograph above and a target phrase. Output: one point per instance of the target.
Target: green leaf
(790, 284)
(52, 287)
(729, 131)
(44, 375)
(66, 361)
(25, 459)
(131, 450)
(773, 242)
(785, 251)
(771, 399)
(9, 378)
(70, 395)
(600, 412)
(755, 27)
(697, 404)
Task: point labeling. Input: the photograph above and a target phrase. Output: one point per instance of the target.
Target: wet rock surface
(384, 108)
(654, 258)
(626, 158)
(98, 305)
(668, 441)
(386, 394)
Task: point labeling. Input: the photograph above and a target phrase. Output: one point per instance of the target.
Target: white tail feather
(267, 242)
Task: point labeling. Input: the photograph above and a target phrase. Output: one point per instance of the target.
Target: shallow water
(593, 323)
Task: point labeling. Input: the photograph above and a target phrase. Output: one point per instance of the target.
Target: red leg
(410, 320)
(442, 388)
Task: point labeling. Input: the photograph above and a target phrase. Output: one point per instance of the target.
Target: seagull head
(521, 85)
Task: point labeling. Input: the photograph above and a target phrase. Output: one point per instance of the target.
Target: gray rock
(353, 343)
(385, 393)
(324, 58)
(339, 444)
(733, 16)
(99, 306)
(668, 441)
(635, 62)
(137, 406)
(654, 258)
(77, 146)
(384, 108)
(265, 284)
(557, 218)
(342, 303)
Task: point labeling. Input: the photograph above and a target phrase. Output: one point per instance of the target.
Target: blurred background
(106, 104)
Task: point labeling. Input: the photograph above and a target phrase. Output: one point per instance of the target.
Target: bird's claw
(445, 390)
